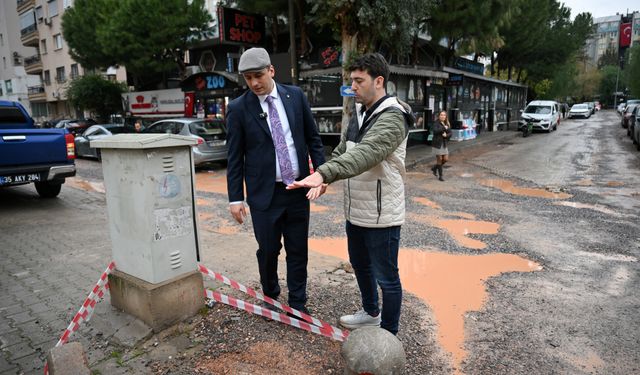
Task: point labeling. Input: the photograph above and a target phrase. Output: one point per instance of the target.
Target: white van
(543, 114)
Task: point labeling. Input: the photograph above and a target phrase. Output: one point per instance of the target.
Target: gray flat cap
(253, 60)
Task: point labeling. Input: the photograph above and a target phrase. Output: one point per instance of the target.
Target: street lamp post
(292, 45)
(615, 94)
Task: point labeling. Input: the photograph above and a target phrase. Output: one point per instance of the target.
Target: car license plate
(216, 143)
(19, 178)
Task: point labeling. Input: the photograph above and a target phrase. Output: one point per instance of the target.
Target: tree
(609, 57)
(587, 83)
(542, 89)
(370, 25)
(146, 36)
(563, 82)
(541, 38)
(96, 94)
(633, 71)
(608, 83)
(79, 27)
(468, 25)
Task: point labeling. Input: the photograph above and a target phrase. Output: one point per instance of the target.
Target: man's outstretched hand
(316, 192)
(314, 182)
(310, 181)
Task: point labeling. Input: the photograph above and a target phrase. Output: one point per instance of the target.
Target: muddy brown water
(450, 284)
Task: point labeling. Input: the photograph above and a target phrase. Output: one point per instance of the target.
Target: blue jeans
(373, 253)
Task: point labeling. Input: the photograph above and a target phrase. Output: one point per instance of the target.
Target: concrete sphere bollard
(373, 350)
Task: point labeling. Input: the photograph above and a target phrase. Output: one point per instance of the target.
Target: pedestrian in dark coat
(441, 134)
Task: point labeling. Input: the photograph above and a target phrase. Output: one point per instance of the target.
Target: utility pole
(615, 94)
(292, 45)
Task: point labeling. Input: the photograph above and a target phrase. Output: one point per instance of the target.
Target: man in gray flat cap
(271, 134)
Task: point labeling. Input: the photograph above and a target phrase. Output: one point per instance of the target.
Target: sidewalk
(422, 153)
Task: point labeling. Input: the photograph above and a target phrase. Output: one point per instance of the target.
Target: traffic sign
(346, 91)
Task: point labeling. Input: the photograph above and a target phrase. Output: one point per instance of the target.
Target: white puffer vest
(375, 198)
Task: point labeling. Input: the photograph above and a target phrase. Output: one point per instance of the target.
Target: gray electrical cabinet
(149, 184)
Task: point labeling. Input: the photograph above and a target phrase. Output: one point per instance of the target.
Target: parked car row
(629, 116)
(209, 133)
(630, 120)
(623, 106)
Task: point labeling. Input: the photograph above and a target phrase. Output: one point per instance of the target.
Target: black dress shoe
(266, 306)
(303, 310)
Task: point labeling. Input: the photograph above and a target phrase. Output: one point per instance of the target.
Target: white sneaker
(360, 319)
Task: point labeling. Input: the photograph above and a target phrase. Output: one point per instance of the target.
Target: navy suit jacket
(251, 154)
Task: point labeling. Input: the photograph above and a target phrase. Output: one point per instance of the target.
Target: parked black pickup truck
(44, 157)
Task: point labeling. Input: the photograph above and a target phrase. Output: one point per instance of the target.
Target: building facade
(605, 36)
(616, 32)
(40, 28)
(14, 80)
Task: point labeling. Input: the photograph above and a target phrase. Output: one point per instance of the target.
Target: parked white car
(543, 114)
(580, 110)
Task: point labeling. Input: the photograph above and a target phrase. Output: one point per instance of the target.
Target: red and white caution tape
(317, 325)
(330, 332)
(86, 310)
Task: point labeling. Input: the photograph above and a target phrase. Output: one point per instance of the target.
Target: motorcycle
(527, 128)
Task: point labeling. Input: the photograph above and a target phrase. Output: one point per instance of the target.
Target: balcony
(22, 5)
(30, 36)
(36, 94)
(33, 64)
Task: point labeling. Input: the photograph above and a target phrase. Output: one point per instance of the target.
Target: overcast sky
(601, 8)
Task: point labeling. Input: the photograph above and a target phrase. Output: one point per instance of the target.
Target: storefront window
(215, 108)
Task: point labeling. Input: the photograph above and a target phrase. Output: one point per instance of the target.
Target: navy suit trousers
(287, 217)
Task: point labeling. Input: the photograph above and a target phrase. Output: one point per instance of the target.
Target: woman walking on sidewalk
(441, 132)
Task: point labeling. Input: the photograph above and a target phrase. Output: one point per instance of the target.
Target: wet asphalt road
(579, 313)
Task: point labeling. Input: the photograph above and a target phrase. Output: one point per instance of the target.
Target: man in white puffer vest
(370, 158)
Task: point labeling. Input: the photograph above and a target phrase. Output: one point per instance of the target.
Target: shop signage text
(454, 80)
(241, 27)
(468, 65)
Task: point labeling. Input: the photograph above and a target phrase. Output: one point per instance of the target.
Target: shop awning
(416, 71)
(336, 70)
(482, 78)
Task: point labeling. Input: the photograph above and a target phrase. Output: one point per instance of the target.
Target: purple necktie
(286, 171)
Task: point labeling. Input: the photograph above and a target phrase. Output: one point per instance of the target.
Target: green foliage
(543, 89)
(588, 81)
(146, 36)
(608, 83)
(375, 24)
(96, 94)
(633, 71)
(469, 25)
(79, 26)
(563, 82)
(541, 38)
(610, 57)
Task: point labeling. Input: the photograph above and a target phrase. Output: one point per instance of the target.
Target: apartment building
(606, 35)
(14, 80)
(40, 27)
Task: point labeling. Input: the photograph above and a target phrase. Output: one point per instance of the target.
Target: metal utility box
(149, 183)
